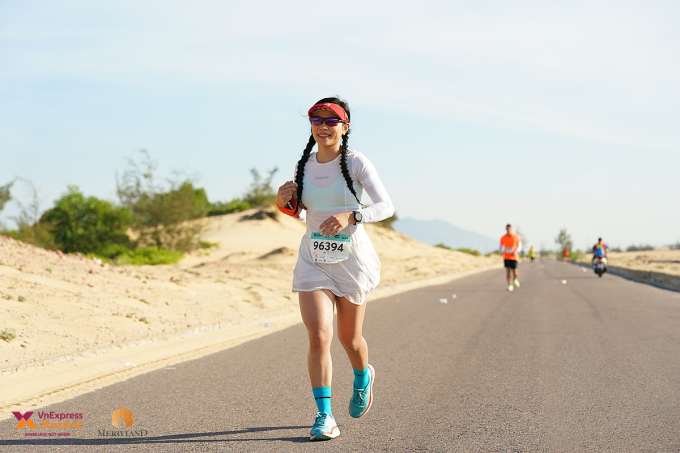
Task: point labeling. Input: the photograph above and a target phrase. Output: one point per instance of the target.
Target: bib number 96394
(329, 249)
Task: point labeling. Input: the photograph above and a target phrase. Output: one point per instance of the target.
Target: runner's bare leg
(350, 325)
(316, 308)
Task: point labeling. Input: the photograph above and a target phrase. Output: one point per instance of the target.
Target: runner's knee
(351, 342)
(320, 339)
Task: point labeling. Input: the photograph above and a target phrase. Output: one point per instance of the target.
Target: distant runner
(565, 254)
(337, 266)
(532, 255)
(511, 245)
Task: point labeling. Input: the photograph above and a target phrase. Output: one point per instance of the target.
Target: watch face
(358, 217)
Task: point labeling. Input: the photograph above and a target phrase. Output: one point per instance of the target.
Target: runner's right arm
(286, 203)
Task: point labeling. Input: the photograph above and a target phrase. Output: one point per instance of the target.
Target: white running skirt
(353, 278)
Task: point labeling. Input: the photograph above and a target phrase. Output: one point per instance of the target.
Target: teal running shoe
(362, 399)
(324, 427)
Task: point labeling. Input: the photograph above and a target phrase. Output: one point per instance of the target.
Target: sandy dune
(664, 261)
(69, 309)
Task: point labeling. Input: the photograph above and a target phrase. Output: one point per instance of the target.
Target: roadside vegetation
(639, 248)
(7, 336)
(563, 240)
(156, 220)
(462, 250)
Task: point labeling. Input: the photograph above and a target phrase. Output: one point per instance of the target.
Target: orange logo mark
(121, 416)
(24, 420)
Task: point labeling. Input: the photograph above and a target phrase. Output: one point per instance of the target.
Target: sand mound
(63, 307)
(278, 254)
(262, 214)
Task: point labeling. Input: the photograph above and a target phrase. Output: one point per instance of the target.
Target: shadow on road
(174, 438)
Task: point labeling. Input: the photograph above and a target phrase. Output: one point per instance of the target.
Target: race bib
(509, 249)
(329, 249)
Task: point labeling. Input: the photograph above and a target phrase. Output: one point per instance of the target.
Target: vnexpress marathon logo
(24, 420)
(50, 421)
(122, 418)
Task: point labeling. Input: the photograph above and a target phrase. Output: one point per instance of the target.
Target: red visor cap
(332, 107)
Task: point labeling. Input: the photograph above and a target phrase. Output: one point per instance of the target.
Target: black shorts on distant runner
(512, 264)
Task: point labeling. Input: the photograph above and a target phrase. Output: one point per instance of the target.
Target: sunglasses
(330, 122)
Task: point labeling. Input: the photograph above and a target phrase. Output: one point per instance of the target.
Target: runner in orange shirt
(511, 245)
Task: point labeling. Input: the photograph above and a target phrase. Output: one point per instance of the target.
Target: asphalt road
(592, 365)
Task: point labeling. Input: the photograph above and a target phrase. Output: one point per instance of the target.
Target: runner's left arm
(367, 176)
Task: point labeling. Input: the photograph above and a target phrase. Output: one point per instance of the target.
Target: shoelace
(359, 396)
(320, 419)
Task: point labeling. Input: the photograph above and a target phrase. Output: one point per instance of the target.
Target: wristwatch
(357, 217)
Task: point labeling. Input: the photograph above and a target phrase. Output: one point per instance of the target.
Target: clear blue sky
(542, 114)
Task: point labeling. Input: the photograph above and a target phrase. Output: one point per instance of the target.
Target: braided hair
(343, 165)
(343, 154)
(300, 173)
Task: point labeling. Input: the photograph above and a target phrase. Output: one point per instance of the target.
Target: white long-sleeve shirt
(325, 192)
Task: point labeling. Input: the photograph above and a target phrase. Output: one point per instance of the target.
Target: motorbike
(600, 265)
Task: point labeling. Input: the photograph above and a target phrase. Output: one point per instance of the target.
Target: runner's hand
(334, 224)
(285, 193)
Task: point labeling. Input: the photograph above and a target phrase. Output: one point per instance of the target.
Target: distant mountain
(440, 231)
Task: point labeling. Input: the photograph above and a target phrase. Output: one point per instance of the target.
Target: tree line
(155, 220)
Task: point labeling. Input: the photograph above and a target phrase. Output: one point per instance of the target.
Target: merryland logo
(119, 418)
(24, 420)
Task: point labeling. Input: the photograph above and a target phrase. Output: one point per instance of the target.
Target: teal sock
(361, 378)
(322, 395)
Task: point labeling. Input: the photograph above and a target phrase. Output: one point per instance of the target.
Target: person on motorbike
(600, 249)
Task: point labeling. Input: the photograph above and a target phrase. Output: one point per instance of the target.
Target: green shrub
(468, 251)
(148, 256)
(5, 194)
(112, 251)
(30, 228)
(7, 336)
(261, 192)
(564, 240)
(495, 252)
(38, 234)
(87, 224)
(162, 212)
(101, 257)
(577, 255)
(442, 246)
(639, 248)
(229, 207)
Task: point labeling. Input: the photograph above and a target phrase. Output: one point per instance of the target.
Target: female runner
(337, 265)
